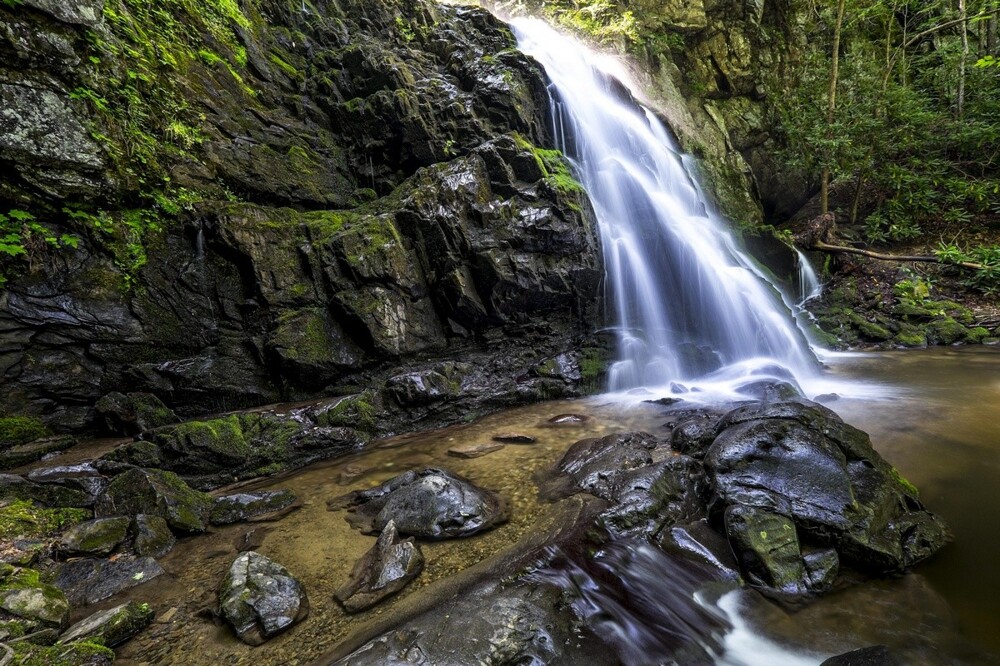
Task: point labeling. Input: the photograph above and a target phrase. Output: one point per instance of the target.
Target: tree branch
(840, 249)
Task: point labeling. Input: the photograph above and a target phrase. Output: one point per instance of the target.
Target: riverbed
(934, 414)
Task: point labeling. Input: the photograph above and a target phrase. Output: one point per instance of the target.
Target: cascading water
(686, 300)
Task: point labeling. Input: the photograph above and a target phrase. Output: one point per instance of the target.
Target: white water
(687, 302)
(809, 284)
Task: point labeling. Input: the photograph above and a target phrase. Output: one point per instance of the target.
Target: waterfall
(809, 285)
(686, 300)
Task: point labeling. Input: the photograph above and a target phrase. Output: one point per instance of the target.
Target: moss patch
(22, 519)
(16, 430)
(91, 653)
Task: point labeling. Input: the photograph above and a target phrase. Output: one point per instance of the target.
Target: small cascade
(808, 282)
(686, 301)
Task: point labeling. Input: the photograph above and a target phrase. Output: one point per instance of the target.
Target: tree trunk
(831, 104)
(960, 101)
(991, 36)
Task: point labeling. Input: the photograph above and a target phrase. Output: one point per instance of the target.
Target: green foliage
(24, 239)
(15, 430)
(600, 20)
(74, 654)
(986, 278)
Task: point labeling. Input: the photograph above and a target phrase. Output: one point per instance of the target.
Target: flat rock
(260, 598)
(17, 487)
(81, 476)
(431, 504)
(25, 595)
(113, 626)
(514, 438)
(474, 450)
(87, 581)
(568, 420)
(238, 507)
(381, 572)
(22, 454)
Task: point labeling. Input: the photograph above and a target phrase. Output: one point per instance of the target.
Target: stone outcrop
(299, 200)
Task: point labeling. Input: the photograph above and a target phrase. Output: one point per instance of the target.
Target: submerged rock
(431, 504)
(113, 626)
(260, 598)
(473, 450)
(87, 581)
(244, 506)
(514, 438)
(876, 655)
(381, 572)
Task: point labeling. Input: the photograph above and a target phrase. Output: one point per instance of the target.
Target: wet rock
(152, 536)
(770, 390)
(768, 549)
(381, 572)
(22, 454)
(699, 542)
(238, 507)
(23, 594)
(563, 366)
(351, 473)
(822, 567)
(876, 655)
(94, 537)
(802, 461)
(87, 581)
(473, 450)
(431, 504)
(81, 476)
(215, 452)
(84, 12)
(252, 539)
(133, 413)
(694, 433)
(17, 487)
(514, 438)
(157, 493)
(428, 386)
(260, 598)
(113, 626)
(592, 464)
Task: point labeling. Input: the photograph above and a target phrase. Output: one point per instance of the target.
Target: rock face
(408, 131)
(430, 504)
(382, 571)
(260, 599)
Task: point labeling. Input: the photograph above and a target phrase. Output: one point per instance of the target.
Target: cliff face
(231, 204)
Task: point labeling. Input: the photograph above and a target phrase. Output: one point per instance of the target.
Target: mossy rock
(84, 653)
(24, 593)
(111, 627)
(153, 537)
(946, 331)
(94, 537)
(359, 411)
(36, 449)
(158, 493)
(14, 487)
(130, 414)
(977, 335)
(910, 336)
(24, 519)
(16, 430)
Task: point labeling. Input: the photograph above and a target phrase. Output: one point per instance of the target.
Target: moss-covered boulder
(24, 593)
(25, 519)
(151, 536)
(94, 537)
(83, 653)
(132, 413)
(111, 627)
(14, 487)
(15, 430)
(158, 493)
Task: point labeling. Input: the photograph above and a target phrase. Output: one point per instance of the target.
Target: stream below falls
(934, 414)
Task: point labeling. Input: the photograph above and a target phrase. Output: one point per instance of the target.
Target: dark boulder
(697, 541)
(87, 581)
(592, 464)
(133, 413)
(439, 383)
(16, 455)
(151, 536)
(260, 598)
(768, 548)
(876, 655)
(431, 504)
(80, 476)
(23, 594)
(14, 487)
(157, 493)
(381, 572)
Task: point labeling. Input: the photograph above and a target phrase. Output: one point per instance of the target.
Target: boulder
(768, 549)
(260, 598)
(24, 594)
(80, 476)
(22, 454)
(94, 537)
(381, 572)
(238, 507)
(157, 493)
(151, 536)
(113, 626)
(87, 581)
(16, 487)
(133, 413)
(430, 504)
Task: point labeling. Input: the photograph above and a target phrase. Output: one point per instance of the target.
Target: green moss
(359, 411)
(554, 168)
(22, 519)
(977, 335)
(223, 435)
(15, 430)
(901, 480)
(302, 336)
(285, 67)
(911, 337)
(91, 653)
(946, 331)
